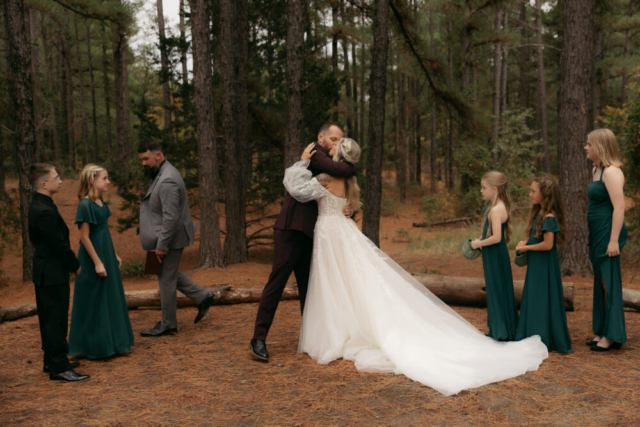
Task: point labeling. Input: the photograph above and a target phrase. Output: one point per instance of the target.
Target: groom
(293, 239)
(166, 228)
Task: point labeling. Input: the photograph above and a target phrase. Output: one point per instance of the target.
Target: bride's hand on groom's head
(308, 152)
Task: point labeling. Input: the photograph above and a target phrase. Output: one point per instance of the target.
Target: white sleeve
(299, 183)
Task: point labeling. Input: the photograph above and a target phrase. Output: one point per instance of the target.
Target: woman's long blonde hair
(90, 172)
(605, 146)
(498, 180)
(551, 204)
(348, 150)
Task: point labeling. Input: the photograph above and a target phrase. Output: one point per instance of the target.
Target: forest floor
(204, 375)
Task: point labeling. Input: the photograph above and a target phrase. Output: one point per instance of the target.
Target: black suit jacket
(53, 259)
(302, 216)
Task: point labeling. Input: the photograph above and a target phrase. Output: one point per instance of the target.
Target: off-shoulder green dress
(502, 312)
(542, 309)
(100, 325)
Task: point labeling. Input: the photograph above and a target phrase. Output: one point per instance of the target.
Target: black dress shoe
(259, 349)
(73, 365)
(203, 307)
(592, 343)
(70, 376)
(613, 346)
(158, 331)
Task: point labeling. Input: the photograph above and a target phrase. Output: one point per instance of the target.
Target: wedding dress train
(364, 307)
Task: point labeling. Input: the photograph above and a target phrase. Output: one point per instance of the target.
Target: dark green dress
(100, 325)
(542, 309)
(608, 313)
(502, 312)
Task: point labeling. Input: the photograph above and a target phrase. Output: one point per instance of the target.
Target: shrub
(133, 268)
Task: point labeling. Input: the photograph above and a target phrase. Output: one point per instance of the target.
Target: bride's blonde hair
(349, 151)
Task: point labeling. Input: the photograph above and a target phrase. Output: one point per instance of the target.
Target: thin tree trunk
(84, 130)
(121, 134)
(401, 140)
(52, 105)
(164, 74)
(451, 159)
(363, 64)
(378, 82)
(295, 69)
(497, 68)
(627, 52)
(542, 89)
(21, 90)
(354, 84)
(71, 134)
(504, 94)
(434, 110)
(573, 125)
(94, 118)
(411, 130)
(418, 147)
(334, 51)
(210, 247)
(596, 74)
(347, 83)
(234, 41)
(107, 95)
(524, 58)
(3, 184)
(183, 45)
(128, 143)
(37, 104)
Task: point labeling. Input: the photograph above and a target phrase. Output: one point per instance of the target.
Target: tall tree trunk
(363, 63)
(52, 104)
(542, 89)
(22, 102)
(411, 130)
(378, 83)
(451, 159)
(183, 45)
(524, 58)
(334, 51)
(94, 118)
(84, 130)
(71, 119)
(573, 126)
(347, 86)
(401, 140)
(354, 83)
(626, 53)
(128, 144)
(497, 68)
(295, 69)
(121, 134)
(164, 73)
(107, 96)
(596, 74)
(210, 247)
(504, 94)
(35, 65)
(434, 110)
(3, 184)
(418, 146)
(234, 41)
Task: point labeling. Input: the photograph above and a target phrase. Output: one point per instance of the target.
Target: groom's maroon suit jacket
(302, 216)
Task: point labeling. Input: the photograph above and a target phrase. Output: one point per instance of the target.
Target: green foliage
(133, 268)
(389, 206)
(434, 207)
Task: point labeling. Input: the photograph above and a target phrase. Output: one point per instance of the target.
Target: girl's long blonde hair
(498, 180)
(90, 172)
(605, 146)
(348, 150)
(551, 204)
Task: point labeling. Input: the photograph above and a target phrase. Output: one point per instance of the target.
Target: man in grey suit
(166, 228)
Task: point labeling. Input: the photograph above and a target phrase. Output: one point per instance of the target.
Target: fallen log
(631, 299)
(19, 311)
(471, 291)
(445, 222)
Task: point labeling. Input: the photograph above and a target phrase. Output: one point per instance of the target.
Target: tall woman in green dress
(100, 325)
(607, 236)
(542, 309)
(502, 312)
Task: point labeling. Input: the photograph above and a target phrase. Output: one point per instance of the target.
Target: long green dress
(542, 309)
(608, 311)
(502, 312)
(100, 325)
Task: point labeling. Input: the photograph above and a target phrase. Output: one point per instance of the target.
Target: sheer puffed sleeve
(300, 184)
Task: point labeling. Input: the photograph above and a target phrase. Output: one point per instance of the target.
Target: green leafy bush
(133, 268)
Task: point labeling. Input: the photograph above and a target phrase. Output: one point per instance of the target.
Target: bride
(364, 307)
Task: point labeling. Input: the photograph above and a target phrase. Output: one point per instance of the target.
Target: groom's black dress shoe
(259, 349)
(203, 307)
(69, 376)
(158, 331)
(73, 365)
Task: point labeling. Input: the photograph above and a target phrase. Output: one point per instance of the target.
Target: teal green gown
(608, 312)
(542, 309)
(100, 325)
(502, 312)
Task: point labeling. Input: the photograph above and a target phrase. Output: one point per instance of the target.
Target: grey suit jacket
(165, 217)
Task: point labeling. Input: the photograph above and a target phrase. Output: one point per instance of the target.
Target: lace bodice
(299, 183)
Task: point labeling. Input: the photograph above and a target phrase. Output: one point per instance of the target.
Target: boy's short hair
(37, 173)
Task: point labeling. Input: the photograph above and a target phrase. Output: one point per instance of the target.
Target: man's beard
(151, 171)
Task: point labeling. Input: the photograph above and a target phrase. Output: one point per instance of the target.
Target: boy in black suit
(53, 261)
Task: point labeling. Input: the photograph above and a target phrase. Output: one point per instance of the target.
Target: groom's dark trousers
(293, 244)
(53, 260)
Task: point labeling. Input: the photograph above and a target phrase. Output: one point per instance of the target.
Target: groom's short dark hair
(149, 145)
(325, 127)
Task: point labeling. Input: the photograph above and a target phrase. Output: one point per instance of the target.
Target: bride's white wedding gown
(364, 307)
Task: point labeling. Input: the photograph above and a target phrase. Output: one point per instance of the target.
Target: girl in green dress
(100, 325)
(607, 236)
(502, 313)
(542, 309)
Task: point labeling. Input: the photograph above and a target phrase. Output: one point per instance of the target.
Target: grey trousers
(171, 279)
